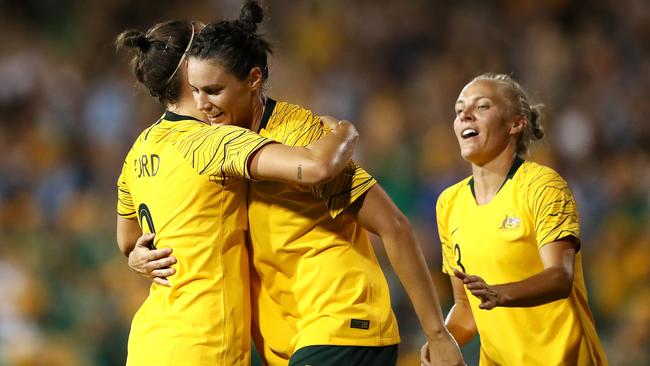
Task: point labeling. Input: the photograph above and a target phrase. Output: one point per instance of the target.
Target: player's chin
(472, 155)
(467, 153)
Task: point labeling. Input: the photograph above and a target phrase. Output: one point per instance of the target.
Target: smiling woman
(221, 95)
(481, 113)
(227, 69)
(513, 224)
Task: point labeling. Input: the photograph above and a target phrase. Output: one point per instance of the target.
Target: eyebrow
(474, 99)
(212, 86)
(207, 87)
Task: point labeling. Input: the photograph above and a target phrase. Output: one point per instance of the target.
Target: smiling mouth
(469, 133)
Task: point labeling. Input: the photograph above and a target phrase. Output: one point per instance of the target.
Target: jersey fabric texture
(185, 180)
(499, 241)
(320, 282)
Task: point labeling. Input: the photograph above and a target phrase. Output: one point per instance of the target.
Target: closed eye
(213, 91)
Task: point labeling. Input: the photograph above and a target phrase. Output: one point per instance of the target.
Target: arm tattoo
(299, 171)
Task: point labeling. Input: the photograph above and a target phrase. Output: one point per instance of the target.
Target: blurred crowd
(70, 109)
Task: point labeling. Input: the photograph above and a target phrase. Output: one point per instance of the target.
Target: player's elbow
(563, 281)
(127, 233)
(318, 171)
(395, 225)
(400, 224)
(124, 246)
(125, 241)
(565, 290)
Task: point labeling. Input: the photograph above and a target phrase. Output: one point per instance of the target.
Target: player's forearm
(408, 262)
(460, 323)
(315, 163)
(551, 284)
(378, 214)
(331, 154)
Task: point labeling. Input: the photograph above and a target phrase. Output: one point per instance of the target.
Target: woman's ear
(518, 125)
(256, 78)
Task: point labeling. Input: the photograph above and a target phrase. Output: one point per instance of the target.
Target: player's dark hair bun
(251, 14)
(133, 39)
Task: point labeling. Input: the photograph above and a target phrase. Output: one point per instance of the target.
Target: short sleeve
(296, 126)
(445, 241)
(221, 151)
(125, 207)
(553, 208)
(339, 193)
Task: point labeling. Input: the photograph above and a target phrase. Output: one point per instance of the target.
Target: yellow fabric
(317, 268)
(500, 242)
(193, 186)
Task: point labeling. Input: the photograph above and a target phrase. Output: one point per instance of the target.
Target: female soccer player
(510, 239)
(320, 296)
(183, 180)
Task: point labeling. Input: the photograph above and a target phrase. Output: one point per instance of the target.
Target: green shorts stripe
(344, 356)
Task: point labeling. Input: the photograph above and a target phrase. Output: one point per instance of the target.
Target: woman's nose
(201, 102)
(465, 115)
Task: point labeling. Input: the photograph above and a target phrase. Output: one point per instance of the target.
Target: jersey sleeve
(554, 210)
(339, 193)
(445, 240)
(221, 151)
(125, 207)
(300, 128)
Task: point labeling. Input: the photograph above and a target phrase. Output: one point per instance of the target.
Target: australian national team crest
(510, 221)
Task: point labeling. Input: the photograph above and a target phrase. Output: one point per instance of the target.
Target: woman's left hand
(489, 296)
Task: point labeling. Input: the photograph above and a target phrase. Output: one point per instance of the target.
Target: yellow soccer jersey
(184, 180)
(500, 242)
(319, 275)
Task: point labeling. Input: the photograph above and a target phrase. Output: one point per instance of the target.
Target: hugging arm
(315, 163)
(142, 259)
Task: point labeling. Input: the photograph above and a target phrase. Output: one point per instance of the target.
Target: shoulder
(289, 109)
(193, 135)
(288, 113)
(188, 132)
(536, 176)
(449, 195)
(164, 131)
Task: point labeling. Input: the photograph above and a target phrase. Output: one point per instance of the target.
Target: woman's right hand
(152, 263)
(442, 351)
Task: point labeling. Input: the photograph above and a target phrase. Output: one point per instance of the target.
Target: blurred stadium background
(70, 110)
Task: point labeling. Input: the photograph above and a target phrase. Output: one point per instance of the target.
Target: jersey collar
(268, 110)
(174, 117)
(511, 173)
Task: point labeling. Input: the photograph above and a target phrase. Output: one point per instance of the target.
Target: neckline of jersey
(268, 110)
(517, 162)
(175, 117)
